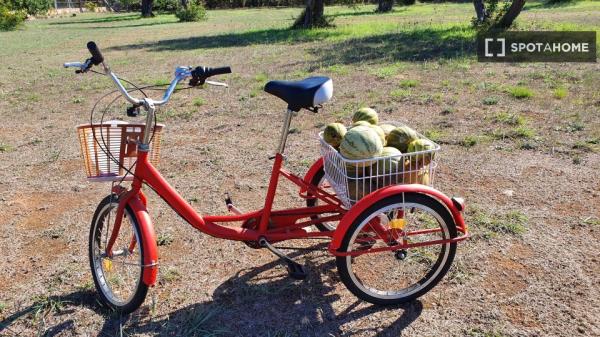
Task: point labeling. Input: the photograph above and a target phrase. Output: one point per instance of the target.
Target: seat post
(285, 130)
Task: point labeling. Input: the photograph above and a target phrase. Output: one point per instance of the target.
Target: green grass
(170, 275)
(434, 134)
(164, 239)
(523, 131)
(45, 304)
(4, 147)
(575, 125)
(400, 94)
(520, 92)
(508, 118)
(560, 93)
(409, 83)
(490, 101)
(488, 226)
(385, 71)
(198, 101)
(477, 332)
(469, 141)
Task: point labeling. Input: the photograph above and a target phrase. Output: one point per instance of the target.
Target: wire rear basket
(108, 150)
(354, 179)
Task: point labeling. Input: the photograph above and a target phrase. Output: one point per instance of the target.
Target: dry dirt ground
(529, 169)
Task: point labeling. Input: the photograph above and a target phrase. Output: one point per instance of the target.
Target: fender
(372, 198)
(312, 171)
(150, 269)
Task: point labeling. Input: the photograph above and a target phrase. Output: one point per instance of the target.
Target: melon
(380, 133)
(419, 176)
(357, 189)
(361, 142)
(387, 128)
(388, 167)
(365, 123)
(334, 133)
(366, 114)
(400, 137)
(354, 172)
(418, 146)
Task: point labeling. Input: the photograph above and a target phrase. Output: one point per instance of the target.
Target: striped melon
(388, 167)
(387, 128)
(366, 114)
(357, 189)
(334, 133)
(400, 137)
(357, 172)
(358, 123)
(421, 145)
(361, 142)
(380, 133)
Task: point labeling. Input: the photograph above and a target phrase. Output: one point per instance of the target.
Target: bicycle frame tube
(147, 173)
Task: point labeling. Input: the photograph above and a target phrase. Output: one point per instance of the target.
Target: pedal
(295, 270)
(230, 207)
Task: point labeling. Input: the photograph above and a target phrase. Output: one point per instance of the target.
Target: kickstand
(295, 270)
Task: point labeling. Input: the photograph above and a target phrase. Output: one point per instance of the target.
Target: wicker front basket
(108, 148)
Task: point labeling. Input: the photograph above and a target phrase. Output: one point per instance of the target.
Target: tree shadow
(104, 19)
(370, 11)
(141, 24)
(547, 5)
(416, 44)
(254, 37)
(419, 44)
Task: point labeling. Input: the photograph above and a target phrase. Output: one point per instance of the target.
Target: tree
(312, 16)
(498, 14)
(147, 8)
(511, 14)
(479, 10)
(384, 6)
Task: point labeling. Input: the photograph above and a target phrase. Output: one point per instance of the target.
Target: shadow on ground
(103, 19)
(255, 302)
(412, 45)
(416, 44)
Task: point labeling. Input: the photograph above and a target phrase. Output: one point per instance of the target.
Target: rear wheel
(118, 279)
(393, 277)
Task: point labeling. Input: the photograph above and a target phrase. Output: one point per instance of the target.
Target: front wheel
(393, 277)
(118, 279)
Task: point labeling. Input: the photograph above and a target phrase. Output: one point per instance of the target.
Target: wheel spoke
(394, 275)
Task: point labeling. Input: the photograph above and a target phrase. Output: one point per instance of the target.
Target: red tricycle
(393, 236)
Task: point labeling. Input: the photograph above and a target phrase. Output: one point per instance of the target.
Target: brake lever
(218, 84)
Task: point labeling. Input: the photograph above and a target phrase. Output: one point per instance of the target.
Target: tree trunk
(147, 8)
(479, 10)
(312, 16)
(184, 3)
(384, 6)
(511, 14)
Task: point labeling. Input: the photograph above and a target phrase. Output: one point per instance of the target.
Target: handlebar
(198, 76)
(96, 55)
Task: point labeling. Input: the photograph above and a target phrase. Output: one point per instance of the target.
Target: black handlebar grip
(96, 55)
(218, 71)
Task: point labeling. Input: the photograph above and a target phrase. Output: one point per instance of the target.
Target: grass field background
(521, 142)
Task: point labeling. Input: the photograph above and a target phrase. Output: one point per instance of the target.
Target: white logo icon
(502, 52)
